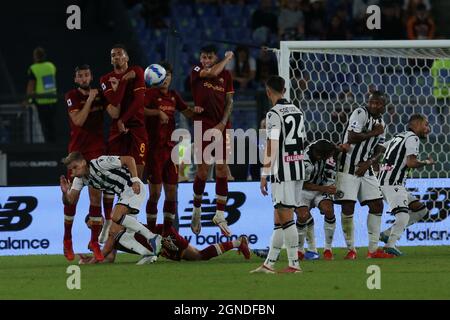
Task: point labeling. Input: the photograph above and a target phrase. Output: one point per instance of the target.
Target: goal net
(329, 79)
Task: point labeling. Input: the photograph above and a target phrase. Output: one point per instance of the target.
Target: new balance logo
(209, 210)
(14, 219)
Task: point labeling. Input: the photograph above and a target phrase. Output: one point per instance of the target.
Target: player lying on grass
(174, 247)
(318, 188)
(116, 175)
(401, 156)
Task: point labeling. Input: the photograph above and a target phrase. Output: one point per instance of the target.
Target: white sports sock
(330, 227)
(310, 236)
(413, 218)
(301, 230)
(348, 229)
(275, 246)
(401, 220)
(134, 225)
(373, 229)
(291, 241)
(416, 216)
(128, 241)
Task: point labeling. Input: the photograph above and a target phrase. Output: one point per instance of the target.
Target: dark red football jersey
(89, 137)
(132, 100)
(209, 93)
(159, 134)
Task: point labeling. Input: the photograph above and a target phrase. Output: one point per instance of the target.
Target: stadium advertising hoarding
(31, 218)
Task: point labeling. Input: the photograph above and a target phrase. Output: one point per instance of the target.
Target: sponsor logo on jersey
(294, 158)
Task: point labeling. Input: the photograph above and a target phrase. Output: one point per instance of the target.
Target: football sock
(330, 227)
(169, 213)
(348, 229)
(310, 236)
(291, 241)
(134, 225)
(216, 250)
(108, 201)
(127, 240)
(275, 246)
(301, 230)
(415, 216)
(152, 213)
(401, 220)
(95, 219)
(221, 193)
(69, 214)
(199, 188)
(373, 229)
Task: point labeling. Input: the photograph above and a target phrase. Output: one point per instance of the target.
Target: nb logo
(15, 213)
(209, 210)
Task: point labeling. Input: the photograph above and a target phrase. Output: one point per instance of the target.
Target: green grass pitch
(423, 273)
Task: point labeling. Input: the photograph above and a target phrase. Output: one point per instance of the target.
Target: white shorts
(354, 188)
(132, 200)
(286, 194)
(312, 199)
(398, 198)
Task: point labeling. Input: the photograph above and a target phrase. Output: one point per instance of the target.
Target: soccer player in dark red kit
(86, 107)
(124, 88)
(160, 106)
(212, 90)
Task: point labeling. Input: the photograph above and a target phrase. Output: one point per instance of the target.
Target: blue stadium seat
(231, 10)
(209, 21)
(205, 10)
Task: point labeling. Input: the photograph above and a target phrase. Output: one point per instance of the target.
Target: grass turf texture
(423, 273)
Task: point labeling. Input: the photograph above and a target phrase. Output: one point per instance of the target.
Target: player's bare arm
(163, 117)
(363, 166)
(113, 111)
(227, 112)
(354, 137)
(216, 69)
(413, 162)
(129, 162)
(331, 189)
(79, 116)
(69, 196)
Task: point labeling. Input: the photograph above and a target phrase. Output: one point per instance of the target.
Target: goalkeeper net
(329, 79)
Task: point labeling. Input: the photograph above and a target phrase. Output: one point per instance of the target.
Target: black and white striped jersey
(393, 171)
(360, 121)
(107, 174)
(285, 122)
(322, 172)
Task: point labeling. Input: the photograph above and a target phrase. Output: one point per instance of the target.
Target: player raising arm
(114, 174)
(212, 90)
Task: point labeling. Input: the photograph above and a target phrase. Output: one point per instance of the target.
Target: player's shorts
(133, 143)
(177, 239)
(312, 199)
(353, 188)
(161, 168)
(132, 200)
(208, 151)
(286, 194)
(398, 198)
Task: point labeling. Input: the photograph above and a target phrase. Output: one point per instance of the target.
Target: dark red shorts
(224, 144)
(161, 168)
(133, 143)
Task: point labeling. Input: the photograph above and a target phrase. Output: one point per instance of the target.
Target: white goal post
(328, 79)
